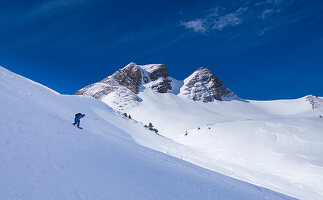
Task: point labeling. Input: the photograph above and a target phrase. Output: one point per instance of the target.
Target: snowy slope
(42, 156)
(275, 144)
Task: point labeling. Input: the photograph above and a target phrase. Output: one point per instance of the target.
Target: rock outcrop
(121, 89)
(157, 76)
(204, 86)
(314, 101)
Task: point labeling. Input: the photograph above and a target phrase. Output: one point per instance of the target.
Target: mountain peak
(203, 85)
(202, 68)
(121, 89)
(130, 65)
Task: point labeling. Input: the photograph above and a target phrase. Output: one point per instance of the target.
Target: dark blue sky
(268, 49)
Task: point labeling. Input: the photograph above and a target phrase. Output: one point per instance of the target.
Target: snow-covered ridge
(202, 85)
(43, 156)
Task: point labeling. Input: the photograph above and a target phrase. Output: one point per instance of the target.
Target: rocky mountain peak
(155, 77)
(121, 89)
(129, 77)
(203, 85)
(156, 70)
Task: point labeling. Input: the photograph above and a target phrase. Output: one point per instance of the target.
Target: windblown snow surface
(43, 156)
(274, 144)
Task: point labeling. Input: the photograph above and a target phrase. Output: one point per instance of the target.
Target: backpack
(78, 114)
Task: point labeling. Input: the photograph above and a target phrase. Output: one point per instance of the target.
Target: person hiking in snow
(77, 118)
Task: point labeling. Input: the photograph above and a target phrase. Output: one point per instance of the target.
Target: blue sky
(267, 49)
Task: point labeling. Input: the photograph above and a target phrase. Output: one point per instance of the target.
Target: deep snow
(43, 156)
(275, 144)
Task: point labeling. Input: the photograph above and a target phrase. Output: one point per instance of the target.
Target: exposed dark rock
(126, 83)
(129, 76)
(204, 86)
(163, 86)
(159, 71)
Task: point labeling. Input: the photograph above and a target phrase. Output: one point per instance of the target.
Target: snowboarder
(77, 118)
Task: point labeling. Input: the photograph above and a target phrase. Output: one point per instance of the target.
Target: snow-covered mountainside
(43, 156)
(274, 144)
(121, 89)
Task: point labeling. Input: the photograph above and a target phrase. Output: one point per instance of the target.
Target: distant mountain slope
(121, 89)
(43, 156)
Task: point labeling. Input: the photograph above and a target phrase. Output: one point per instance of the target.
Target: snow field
(43, 156)
(274, 144)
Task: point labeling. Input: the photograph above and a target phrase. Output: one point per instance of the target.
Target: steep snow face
(275, 144)
(119, 90)
(43, 156)
(204, 86)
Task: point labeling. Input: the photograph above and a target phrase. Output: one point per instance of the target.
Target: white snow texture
(275, 144)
